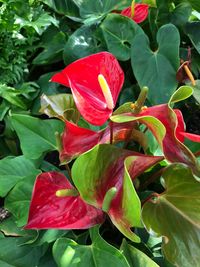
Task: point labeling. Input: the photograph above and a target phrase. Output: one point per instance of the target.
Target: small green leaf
(135, 257)
(68, 253)
(157, 69)
(175, 216)
(36, 136)
(119, 33)
(182, 93)
(14, 169)
(61, 106)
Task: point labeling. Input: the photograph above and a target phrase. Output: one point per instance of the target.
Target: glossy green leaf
(52, 51)
(96, 9)
(61, 106)
(180, 15)
(175, 216)
(135, 257)
(83, 42)
(182, 93)
(9, 228)
(36, 136)
(119, 33)
(68, 8)
(192, 30)
(157, 69)
(68, 253)
(18, 200)
(14, 169)
(14, 255)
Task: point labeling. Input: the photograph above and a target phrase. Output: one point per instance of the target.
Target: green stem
(141, 100)
(110, 194)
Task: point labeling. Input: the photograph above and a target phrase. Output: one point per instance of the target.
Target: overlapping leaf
(157, 69)
(119, 33)
(36, 136)
(175, 215)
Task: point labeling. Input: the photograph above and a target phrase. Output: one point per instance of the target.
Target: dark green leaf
(95, 10)
(119, 33)
(52, 50)
(83, 42)
(18, 200)
(175, 216)
(192, 30)
(12, 170)
(157, 70)
(68, 8)
(36, 136)
(14, 255)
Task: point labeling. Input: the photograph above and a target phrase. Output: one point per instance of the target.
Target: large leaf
(175, 216)
(14, 169)
(119, 33)
(53, 49)
(36, 136)
(157, 70)
(83, 42)
(68, 8)
(14, 255)
(68, 253)
(104, 168)
(95, 10)
(135, 257)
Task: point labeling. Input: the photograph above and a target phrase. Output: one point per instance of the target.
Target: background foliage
(39, 38)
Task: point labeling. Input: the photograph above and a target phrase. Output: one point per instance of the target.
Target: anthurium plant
(98, 163)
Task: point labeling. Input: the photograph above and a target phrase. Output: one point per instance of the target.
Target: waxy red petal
(173, 148)
(49, 211)
(82, 77)
(109, 173)
(77, 140)
(180, 130)
(140, 12)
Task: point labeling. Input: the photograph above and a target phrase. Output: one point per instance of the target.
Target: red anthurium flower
(140, 12)
(172, 144)
(114, 171)
(77, 140)
(95, 82)
(50, 211)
